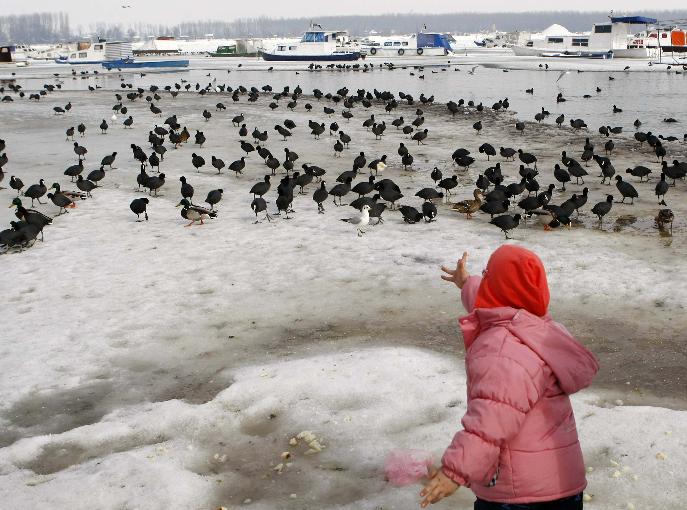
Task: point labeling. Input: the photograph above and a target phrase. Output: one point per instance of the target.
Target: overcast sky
(174, 11)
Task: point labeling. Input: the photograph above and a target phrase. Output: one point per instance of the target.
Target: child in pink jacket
(518, 448)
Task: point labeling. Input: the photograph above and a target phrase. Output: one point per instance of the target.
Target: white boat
(12, 57)
(669, 40)
(86, 52)
(611, 39)
(96, 53)
(316, 44)
(421, 44)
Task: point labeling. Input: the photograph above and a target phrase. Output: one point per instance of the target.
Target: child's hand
(439, 485)
(460, 275)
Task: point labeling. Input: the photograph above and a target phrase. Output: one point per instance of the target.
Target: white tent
(556, 30)
(159, 46)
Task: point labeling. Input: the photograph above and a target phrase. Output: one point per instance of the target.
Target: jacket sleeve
(469, 293)
(501, 393)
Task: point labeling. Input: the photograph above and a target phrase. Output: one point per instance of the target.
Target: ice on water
(146, 365)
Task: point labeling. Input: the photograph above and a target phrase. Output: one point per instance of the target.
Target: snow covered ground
(147, 365)
(229, 451)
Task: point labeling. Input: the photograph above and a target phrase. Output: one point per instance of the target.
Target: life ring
(373, 51)
(401, 51)
(420, 51)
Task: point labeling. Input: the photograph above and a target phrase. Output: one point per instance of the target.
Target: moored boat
(315, 45)
(421, 44)
(224, 51)
(610, 39)
(10, 56)
(129, 63)
(96, 52)
(86, 52)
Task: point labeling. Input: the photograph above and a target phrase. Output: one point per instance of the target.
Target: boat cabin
(5, 54)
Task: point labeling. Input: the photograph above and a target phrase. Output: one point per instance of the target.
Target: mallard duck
(31, 215)
(195, 212)
(469, 207)
(550, 220)
(664, 217)
(62, 199)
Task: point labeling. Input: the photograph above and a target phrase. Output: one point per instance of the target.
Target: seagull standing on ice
(360, 220)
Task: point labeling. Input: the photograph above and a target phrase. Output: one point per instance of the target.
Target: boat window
(4, 50)
(83, 54)
(292, 47)
(281, 48)
(314, 37)
(664, 36)
(554, 40)
(579, 41)
(602, 29)
(73, 55)
(397, 43)
(387, 43)
(530, 44)
(405, 43)
(98, 47)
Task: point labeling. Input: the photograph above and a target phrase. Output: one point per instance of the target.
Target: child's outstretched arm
(501, 396)
(462, 279)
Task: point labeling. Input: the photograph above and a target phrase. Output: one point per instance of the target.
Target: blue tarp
(634, 20)
(432, 40)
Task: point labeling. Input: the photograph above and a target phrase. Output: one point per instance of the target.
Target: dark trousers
(570, 503)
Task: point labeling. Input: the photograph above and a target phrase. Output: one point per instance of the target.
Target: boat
(232, 51)
(130, 63)
(579, 54)
(10, 56)
(658, 41)
(96, 53)
(224, 51)
(316, 44)
(86, 52)
(611, 39)
(421, 44)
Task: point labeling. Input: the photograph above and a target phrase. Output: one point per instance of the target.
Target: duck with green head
(60, 199)
(30, 215)
(194, 212)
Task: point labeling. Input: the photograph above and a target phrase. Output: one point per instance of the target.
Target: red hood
(515, 278)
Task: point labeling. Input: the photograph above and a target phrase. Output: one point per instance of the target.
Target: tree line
(35, 28)
(55, 27)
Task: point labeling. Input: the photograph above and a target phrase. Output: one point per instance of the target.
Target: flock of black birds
(492, 195)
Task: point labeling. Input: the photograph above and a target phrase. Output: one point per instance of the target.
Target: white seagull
(472, 71)
(360, 221)
(563, 73)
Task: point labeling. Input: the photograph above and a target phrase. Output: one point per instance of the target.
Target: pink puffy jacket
(519, 443)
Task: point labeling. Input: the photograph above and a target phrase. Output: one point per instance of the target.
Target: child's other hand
(438, 487)
(458, 276)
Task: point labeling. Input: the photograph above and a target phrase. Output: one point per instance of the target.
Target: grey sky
(174, 11)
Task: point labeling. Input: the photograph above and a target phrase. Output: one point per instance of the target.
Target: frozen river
(648, 92)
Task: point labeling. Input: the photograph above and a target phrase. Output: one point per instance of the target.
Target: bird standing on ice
(360, 221)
